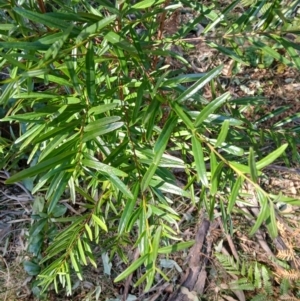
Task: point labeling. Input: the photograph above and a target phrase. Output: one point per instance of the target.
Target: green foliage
(253, 276)
(115, 121)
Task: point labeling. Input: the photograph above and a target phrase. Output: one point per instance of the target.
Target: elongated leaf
(54, 49)
(176, 247)
(210, 108)
(271, 157)
(94, 125)
(40, 167)
(99, 222)
(199, 161)
(89, 231)
(163, 139)
(262, 216)
(24, 45)
(135, 265)
(90, 73)
(223, 133)
(148, 176)
(272, 222)
(121, 186)
(199, 84)
(96, 132)
(75, 265)
(94, 28)
(234, 193)
(42, 18)
(146, 3)
(60, 188)
(95, 164)
(181, 114)
(128, 210)
(81, 252)
(253, 170)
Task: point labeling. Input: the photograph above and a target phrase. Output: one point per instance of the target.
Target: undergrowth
(93, 113)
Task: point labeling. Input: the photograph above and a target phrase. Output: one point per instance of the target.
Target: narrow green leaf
(253, 170)
(103, 168)
(135, 265)
(90, 73)
(102, 108)
(148, 176)
(98, 221)
(223, 133)
(42, 18)
(199, 84)
(234, 193)
(213, 168)
(176, 247)
(199, 161)
(75, 265)
(271, 157)
(163, 139)
(146, 3)
(94, 125)
(60, 188)
(24, 45)
(120, 186)
(228, 52)
(81, 252)
(272, 222)
(73, 76)
(262, 216)
(96, 132)
(181, 114)
(54, 49)
(210, 108)
(40, 167)
(128, 210)
(94, 28)
(89, 231)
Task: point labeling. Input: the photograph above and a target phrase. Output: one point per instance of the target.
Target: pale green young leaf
(135, 265)
(75, 265)
(98, 221)
(89, 231)
(146, 3)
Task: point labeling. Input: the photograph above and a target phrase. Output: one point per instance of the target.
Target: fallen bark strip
(199, 255)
